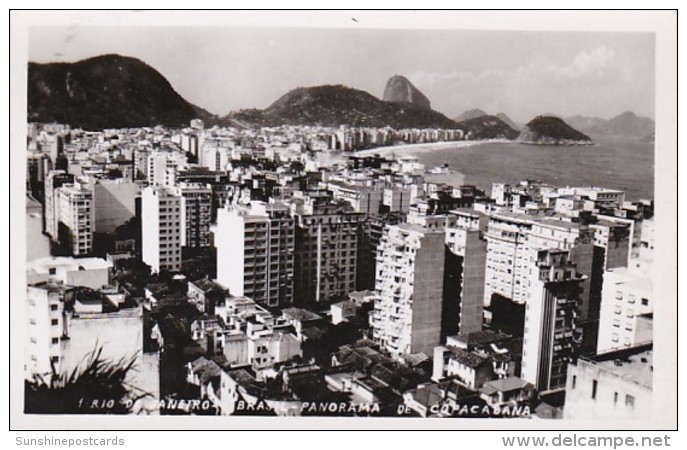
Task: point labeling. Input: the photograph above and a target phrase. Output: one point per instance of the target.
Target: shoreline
(412, 149)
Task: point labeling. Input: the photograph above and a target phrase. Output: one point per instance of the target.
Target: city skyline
(516, 72)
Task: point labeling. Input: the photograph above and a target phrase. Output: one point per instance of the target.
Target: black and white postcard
(343, 219)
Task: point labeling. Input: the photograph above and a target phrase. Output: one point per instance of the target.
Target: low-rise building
(612, 385)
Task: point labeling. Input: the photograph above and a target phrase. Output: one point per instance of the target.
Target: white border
(660, 23)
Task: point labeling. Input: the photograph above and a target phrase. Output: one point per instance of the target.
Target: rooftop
(511, 383)
(636, 364)
(482, 337)
(300, 314)
(466, 358)
(44, 264)
(206, 285)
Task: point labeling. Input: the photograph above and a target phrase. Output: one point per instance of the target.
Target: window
(574, 381)
(615, 398)
(54, 322)
(55, 340)
(594, 386)
(52, 271)
(53, 307)
(645, 302)
(629, 401)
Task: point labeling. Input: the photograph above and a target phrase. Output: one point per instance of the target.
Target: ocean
(616, 163)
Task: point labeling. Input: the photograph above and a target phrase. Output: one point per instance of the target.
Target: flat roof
(635, 364)
(42, 264)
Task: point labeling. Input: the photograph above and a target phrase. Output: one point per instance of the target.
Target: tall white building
(163, 167)
(255, 252)
(214, 156)
(75, 217)
(513, 241)
(550, 336)
(161, 228)
(627, 300)
(407, 315)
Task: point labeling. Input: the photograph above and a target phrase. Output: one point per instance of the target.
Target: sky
(521, 73)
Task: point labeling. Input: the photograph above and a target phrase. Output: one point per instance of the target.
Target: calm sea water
(617, 163)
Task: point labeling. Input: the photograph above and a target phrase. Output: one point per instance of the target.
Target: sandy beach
(414, 149)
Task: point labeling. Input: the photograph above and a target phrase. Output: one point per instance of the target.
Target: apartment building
(196, 214)
(551, 335)
(75, 218)
(513, 241)
(326, 250)
(53, 180)
(161, 228)
(407, 315)
(466, 263)
(163, 166)
(255, 251)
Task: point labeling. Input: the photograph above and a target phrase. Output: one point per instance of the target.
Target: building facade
(407, 315)
(616, 385)
(161, 228)
(255, 252)
(75, 218)
(551, 335)
(326, 251)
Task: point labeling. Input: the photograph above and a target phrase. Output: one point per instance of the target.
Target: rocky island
(549, 130)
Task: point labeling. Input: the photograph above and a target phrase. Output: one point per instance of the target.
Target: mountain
(548, 130)
(508, 121)
(626, 124)
(470, 114)
(108, 91)
(340, 105)
(630, 124)
(585, 124)
(487, 127)
(400, 90)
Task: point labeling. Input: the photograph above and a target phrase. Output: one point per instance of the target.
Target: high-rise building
(512, 243)
(53, 180)
(161, 228)
(163, 167)
(326, 251)
(196, 214)
(255, 251)
(627, 301)
(75, 218)
(466, 263)
(407, 315)
(551, 336)
(627, 296)
(612, 249)
(371, 233)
